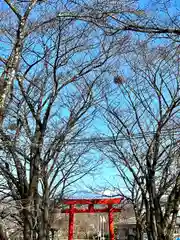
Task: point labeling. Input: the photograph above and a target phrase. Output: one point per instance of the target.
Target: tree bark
(27, 226)
(3, 235)
(139, 231)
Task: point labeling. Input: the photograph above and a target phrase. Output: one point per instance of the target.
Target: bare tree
(143, 119)
(54, 98)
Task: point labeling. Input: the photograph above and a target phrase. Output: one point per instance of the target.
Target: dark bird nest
(119, 80)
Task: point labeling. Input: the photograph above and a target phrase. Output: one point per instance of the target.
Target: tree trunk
(3, 235)
(52, 234)
(9, 73)
(27, 227)
(150, 224)
(139, 224)
(26, 217)
(139, 232)
(43, 223)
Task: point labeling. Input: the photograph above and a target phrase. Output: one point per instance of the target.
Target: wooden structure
(91, 209)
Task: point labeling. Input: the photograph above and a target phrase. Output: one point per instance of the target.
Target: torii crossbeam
(91, 202)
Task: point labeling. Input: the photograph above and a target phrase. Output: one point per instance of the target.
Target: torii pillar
(91, 202)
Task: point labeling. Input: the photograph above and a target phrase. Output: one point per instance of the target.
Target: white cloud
(109, 193)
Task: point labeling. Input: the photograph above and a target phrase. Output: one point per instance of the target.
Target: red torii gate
(90, 202)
